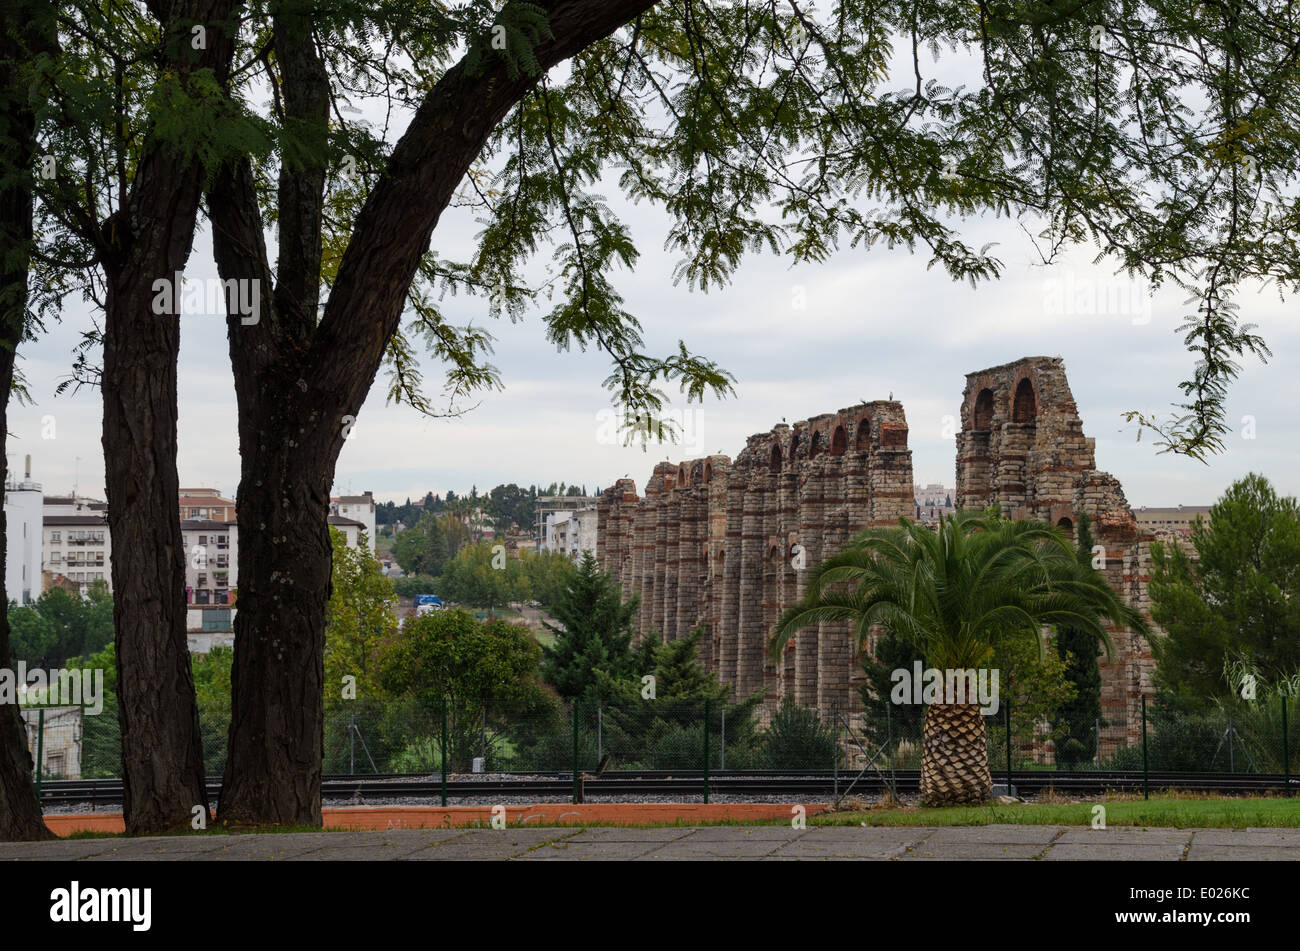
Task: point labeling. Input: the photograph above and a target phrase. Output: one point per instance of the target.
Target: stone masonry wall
(1022, 449)
(715, 543)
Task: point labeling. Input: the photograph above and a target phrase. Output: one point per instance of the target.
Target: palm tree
(955, 594)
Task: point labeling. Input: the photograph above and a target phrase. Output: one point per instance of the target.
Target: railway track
(370, 787)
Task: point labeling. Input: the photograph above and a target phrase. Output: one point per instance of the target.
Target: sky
(799, 341)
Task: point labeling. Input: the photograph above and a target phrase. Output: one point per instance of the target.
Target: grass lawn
(1170, 810)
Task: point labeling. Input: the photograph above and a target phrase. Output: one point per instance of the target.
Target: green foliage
(1074, 724)
(411, 585)
(358, 618)
(1033, 681)
(549, 575)
(60, 625)
(484, 671)
(426, 547)
(1237, 598)
(594, 633)
(659, 729)
(957, 594)
(891, 653)
(798, 739)
(484, 576)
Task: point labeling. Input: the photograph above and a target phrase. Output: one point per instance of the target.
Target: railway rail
(805, 784)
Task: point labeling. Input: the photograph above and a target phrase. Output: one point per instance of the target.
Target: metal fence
(475, 736)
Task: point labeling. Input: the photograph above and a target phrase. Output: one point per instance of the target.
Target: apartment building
(205, 505)
(211, 561)
(75, 540)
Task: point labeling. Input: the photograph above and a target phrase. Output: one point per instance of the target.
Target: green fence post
(444, 751)
(1008, 722)
(835, 754)
(1286, 751)
(1146, 775)
(706, 752)
(893, 754)
(576, 794)
(40, 748)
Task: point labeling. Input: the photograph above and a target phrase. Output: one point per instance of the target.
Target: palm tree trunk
(955, 757)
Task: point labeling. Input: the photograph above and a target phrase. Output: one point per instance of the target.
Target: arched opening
(794, 445)
(708, 473)
(982, 421)
(839, 442)
(1025, 407)
(818, 446)
(1065, 525)
(862, 440)
(681, 475)
(776, 458)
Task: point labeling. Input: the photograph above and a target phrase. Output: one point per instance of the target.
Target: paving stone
(1275, 837)
(569, 851)
(1000, 834)
(614, 834)
(1116, 851)
(715, 848)
(487, 844)
(745, 833)
(1242, 853)
(1122, 834)
(853, 843)
(972, 851)
(62, 849)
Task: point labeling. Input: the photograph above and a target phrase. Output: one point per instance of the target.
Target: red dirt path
(437, 817)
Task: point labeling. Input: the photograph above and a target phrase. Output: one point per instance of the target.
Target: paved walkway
(768, 843)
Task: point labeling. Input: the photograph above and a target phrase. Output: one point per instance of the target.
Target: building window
(203, 539)
(194, 513)
(55, 537)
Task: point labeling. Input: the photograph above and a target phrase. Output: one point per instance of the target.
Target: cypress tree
(1076, 722)
(594, 632)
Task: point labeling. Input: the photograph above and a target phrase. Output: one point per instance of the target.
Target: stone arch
(1066, 524)
(1024, 408)
(862, 439)
(794, 445)
(817, 446)
(708, 473)
(682, 478)
(982, 418)
(776, 457)
(839, 442)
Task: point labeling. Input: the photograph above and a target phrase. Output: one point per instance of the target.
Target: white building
(211, 561)
(23, 537)
(358, 508)
(352, 529)
(571, 532)
(75, 540)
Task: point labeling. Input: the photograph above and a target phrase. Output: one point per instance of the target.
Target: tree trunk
(20, 811)
(299, 382)
(148, 240)
(162, 754)
(955, 756)
(273, 767)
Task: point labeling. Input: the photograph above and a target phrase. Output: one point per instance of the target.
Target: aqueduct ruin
(719, 543)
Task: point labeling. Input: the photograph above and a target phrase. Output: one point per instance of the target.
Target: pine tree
(1076, 721)
(594, 633)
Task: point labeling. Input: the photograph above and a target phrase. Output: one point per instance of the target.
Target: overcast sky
(872, 322)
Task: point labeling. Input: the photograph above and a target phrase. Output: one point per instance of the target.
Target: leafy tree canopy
(1237, 598)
